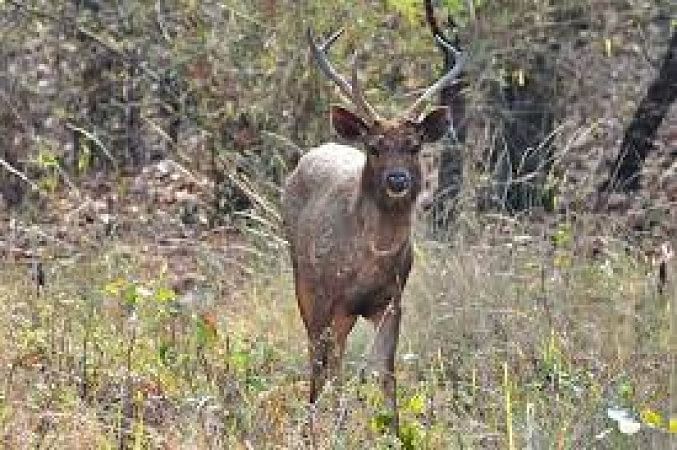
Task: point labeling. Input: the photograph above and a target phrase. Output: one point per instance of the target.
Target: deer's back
(320, 190)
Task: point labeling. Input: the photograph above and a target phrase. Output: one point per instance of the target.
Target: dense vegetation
(146, 299)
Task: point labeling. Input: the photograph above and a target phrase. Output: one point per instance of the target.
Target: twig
(160, 21)
(645, 53)
(19, 174)
(243, 184)
(246, 17)
(284, 140)
(112, 46)
(94, 139)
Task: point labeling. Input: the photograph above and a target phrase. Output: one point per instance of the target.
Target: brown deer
(348, 219)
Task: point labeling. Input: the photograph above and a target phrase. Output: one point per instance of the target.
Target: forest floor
(152, 334)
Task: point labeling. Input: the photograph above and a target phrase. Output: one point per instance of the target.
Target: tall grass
(514, 339)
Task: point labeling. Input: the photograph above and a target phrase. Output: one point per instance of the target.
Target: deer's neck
(386, 231)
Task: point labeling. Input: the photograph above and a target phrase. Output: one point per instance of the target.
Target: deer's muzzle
(398, 183)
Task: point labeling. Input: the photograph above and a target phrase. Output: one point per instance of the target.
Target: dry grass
(517, 339)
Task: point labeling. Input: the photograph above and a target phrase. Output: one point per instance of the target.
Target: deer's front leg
(387, 325)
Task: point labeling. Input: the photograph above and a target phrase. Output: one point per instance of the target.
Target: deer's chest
(372, 284)
(353, 260)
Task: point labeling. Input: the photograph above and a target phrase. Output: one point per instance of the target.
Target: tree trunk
(639, 136)
(135, 153)
(450, 171)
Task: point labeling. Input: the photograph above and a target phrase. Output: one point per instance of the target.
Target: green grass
(507, 342)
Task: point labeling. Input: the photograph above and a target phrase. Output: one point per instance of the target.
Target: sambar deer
(348, 220)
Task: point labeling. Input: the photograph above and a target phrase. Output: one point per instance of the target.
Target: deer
(347, 216)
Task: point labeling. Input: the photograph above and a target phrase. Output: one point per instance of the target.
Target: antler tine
(454, 72)
(320, 55)
(450, 50)
(353, 92)
(435, 28)
(331, 39)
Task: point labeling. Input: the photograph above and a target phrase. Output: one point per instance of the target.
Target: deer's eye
(414, 145)
(372, 149)
(373, 145)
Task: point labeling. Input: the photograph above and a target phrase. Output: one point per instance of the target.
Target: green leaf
(131, 295)
(114, 287)
(48, 184)
(205, 331)
(411, 10)
(85, 157)
(455, 6)
(562, 237)
(672, 425)
(381, 421)
(626, 390)
(416, 404)
(651, 418)
(47, 159)
(256, 383)
(411, 435)
(164, 295)
(167, 354)
(240, 359)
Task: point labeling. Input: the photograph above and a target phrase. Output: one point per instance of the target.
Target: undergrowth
(512, 340)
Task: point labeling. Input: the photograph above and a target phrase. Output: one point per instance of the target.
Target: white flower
(628, 426)
(617, 414)
(409, 357)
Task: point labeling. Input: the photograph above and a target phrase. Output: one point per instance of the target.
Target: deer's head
(392, 174)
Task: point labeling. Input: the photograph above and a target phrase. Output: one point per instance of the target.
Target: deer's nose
(398, 181)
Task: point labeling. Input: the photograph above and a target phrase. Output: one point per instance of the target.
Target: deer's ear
(434, 124)
(347, 124)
